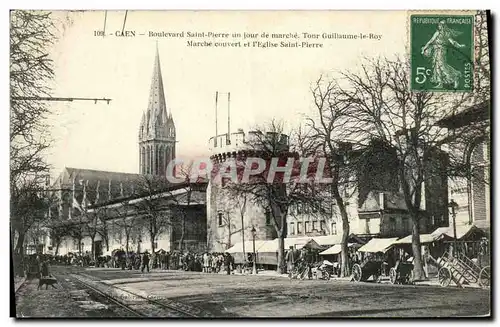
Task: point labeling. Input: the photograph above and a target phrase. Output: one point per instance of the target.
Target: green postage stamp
(442, 50)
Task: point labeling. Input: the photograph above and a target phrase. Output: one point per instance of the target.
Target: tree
(155, 217)
(126, 221)
(31, 34)
(381, 106)
(29, 207)
(327, 135)
(229, 220)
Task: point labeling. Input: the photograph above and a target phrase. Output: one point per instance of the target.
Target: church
(100, 211)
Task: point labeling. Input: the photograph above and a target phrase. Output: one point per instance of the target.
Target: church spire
(157, 128)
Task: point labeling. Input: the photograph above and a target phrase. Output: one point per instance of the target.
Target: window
(322, 225)
(367, 226)
(308, 226)
(392, 225)
(268, 217)
(334, 228)
(299, 228)
(292, 228)
(220, 216)
(315, 225)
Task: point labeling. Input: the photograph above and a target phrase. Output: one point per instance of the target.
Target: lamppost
(453, 207)
(254, 270)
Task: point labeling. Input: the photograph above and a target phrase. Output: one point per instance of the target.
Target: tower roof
(156, 121)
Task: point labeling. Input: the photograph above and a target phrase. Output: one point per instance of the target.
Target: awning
(238, 247)
(328, 240)
(378, 245)
(424, 238)
(336, 249)
(311, 244)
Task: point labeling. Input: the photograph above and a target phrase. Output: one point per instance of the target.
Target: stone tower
(157, 129)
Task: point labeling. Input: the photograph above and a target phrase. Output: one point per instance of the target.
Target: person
(205, 262)
(166, 260)
(145, 261)
(290, 261)
(437, 48)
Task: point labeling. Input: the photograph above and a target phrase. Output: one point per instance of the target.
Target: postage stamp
(442, 49)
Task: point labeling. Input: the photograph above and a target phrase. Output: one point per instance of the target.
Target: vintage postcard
(236, 164)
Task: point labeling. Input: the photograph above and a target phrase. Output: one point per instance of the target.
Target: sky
(264, 83)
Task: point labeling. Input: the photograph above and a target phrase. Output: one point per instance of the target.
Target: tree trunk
(183, 231)
(229, 235)
(58, 243)
(20, 243)
(418, 270)
(19, 255)
(127, 240)
(344, 253)
(92, 247)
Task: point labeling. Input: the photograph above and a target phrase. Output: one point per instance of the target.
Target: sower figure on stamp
(436, 47)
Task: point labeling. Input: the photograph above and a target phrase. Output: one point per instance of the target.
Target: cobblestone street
(250, 296)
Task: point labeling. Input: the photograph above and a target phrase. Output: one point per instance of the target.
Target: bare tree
(155, 217)
(126, 220)
(328, 133)
(382, 107)
(31, 34)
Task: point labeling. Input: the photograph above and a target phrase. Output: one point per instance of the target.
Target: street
(218, 295)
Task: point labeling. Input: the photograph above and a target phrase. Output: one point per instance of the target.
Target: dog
(47, 280)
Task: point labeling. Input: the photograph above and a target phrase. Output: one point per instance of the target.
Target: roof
(336, 249)
(270, 246)
(378, 245)
(424, 238)
(463, 231)
(392, 201)
(328, 239)
(238, 247)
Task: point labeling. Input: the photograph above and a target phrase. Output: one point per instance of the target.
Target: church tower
(157, 129)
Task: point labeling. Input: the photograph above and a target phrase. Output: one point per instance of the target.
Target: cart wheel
(444, 277)
(393, 275)
(484, 277)
(356, 272)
